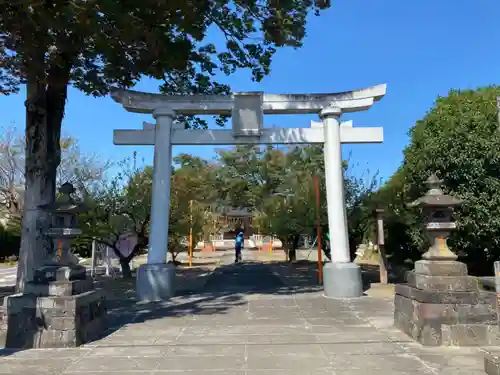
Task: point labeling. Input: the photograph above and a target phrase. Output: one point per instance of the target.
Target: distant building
(234, 220)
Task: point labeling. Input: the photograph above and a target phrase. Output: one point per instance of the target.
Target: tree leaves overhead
(113, 43)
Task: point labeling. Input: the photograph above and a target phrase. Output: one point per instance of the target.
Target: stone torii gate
(342, 278)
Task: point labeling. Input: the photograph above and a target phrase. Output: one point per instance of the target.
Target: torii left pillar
(155, 280)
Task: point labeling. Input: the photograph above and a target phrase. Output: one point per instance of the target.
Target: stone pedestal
(342, 280)
(442, 305)
(492, 364)
(60, 309)
(155, 282)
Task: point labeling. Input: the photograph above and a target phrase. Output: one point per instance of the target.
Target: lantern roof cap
(435, 197)
(65, 204)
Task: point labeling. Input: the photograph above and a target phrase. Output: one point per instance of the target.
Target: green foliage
(192, 196)
(360, 207)
(290, 208)
(123, 205)
(95, 45)
(278, 185)
(120, 206)
(459, 140)
(10, 240)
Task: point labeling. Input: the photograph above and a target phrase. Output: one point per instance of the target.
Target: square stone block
(49, 273)
(492, 364)
(32, 321)
(469, 298)
(60, 288)
(443, 283)
(445, 318)
(440, 268)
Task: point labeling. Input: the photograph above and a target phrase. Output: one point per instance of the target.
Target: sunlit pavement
(246, 321)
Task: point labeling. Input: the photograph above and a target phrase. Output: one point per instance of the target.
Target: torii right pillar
(341, 276)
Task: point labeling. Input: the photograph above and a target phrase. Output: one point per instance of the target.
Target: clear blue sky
(421, 49)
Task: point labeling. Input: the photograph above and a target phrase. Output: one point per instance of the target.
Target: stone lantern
(60, 307)
(441, 304)
(437, 209)
(64, 226)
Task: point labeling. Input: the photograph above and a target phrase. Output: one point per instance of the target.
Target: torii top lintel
(348, 101)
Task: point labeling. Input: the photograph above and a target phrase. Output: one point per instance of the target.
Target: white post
(342, 279)
(107, 260)
(497, 287)
(162, 173)
(94, 258)
(155, 280)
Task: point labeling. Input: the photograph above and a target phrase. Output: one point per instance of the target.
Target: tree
(121, 207)
(80, 169)
(239, 178)
(193, 195)
(403, 240)
(11, 176)
(292, 208)
(360, 207)
(84, 171)
(96, 45)
(458, 139)
(278, 184)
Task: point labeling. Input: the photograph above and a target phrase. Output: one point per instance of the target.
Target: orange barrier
(209, 248)
(268, 247)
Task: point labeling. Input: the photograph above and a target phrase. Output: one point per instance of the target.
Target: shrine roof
(235, 212)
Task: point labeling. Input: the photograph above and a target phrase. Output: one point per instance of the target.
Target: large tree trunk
(44, 114)
(126, 270)
(125, 261)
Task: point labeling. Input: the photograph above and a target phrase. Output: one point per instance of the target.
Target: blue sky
(421, 49)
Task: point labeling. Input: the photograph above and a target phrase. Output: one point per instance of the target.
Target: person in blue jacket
(238, 246)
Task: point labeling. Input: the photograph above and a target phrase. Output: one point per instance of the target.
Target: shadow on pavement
(214, 293)
(204, 293)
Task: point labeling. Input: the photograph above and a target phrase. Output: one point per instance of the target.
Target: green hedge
(10, 242)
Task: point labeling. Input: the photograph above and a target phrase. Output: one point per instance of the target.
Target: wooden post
(318, 229)
(271, 241)
(190, 244)
(379, 216)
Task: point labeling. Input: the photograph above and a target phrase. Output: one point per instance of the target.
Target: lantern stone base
(442, 306)
(54, 314)
(492, 364)
(155, 282)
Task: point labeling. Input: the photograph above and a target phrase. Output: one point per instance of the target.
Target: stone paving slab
(247, 322)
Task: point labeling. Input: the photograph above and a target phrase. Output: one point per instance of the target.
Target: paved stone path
(246, 321)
